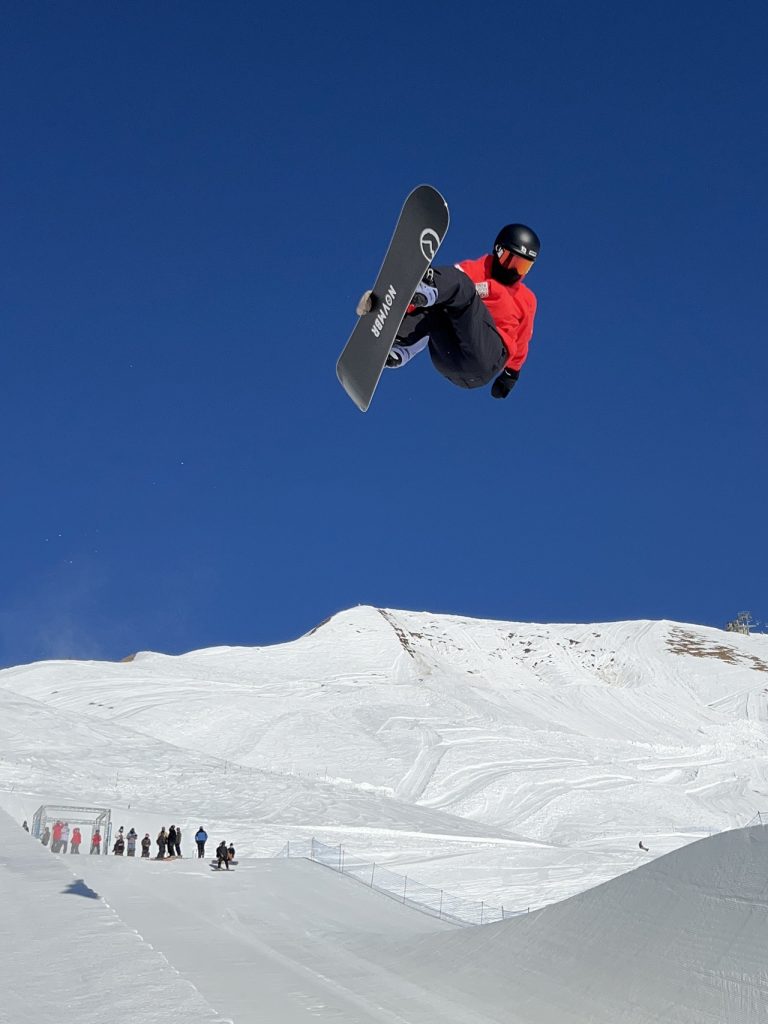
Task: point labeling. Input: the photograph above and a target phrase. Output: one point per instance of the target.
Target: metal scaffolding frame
(95, 817)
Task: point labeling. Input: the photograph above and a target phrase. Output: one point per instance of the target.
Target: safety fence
(426, 898)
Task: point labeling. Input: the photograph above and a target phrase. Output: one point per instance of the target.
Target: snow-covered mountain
(513, 762)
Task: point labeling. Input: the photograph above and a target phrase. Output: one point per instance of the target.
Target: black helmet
(514, 253)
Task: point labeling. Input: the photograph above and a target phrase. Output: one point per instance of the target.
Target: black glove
(504, 383)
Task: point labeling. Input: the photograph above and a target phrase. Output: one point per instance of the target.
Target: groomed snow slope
(511, 762)
(683, 940)
(68, 957)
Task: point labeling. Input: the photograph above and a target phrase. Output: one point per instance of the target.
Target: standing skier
(476, 318)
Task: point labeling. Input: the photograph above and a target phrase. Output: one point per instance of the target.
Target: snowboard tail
(418, 234)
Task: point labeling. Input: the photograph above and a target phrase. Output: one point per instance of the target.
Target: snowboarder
(77, 838)
(231, 853)
(640, 844)
(222, 855)
(146, 845)
(24, 825)
(476, 318)
(201, 837)
(131, 842)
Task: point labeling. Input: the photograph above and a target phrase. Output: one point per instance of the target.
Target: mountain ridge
(379, 723)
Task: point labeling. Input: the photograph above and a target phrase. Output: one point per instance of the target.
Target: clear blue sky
(193, 197)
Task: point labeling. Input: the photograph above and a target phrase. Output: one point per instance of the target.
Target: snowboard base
(419, 231)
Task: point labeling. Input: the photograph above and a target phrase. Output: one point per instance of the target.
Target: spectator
(46, 837)
(64, 837)
(96, 842)
(146, 845)
(131, 842)
(77, 838)
(222, 855)
(24, 825)
(172, 841)
(56, 842)
(178, 841)
(162, 842)
(119, 846)
(201, 838)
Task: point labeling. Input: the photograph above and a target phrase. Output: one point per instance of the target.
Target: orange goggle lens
(513, 261)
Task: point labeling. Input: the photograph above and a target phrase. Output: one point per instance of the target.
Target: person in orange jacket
(476, 318)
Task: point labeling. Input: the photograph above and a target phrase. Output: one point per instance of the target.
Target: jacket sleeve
(521, 338)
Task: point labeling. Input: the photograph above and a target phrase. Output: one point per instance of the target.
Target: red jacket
(512, 307)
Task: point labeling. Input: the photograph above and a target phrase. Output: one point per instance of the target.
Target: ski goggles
(511, 260)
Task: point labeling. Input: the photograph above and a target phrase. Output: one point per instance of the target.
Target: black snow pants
(464, 344)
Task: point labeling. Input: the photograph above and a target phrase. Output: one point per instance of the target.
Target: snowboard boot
(399, 354)
(426, 292)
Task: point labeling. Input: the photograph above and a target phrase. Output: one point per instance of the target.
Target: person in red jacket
(476, 318)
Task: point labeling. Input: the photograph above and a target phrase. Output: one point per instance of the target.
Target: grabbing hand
(504, 383)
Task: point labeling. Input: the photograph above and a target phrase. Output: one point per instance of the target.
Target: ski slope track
(516, 763)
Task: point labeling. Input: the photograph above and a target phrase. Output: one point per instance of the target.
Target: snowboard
(419, 232)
